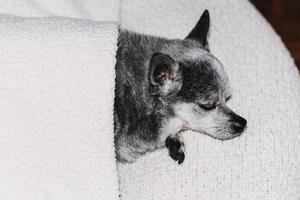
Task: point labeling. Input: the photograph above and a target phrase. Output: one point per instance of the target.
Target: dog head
(192, 82)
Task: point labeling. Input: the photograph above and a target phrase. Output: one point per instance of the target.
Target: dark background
(284, 15)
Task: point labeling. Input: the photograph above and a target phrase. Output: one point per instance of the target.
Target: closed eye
(207, 107)
(228, 98)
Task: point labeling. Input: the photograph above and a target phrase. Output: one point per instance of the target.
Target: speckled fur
(144, 121)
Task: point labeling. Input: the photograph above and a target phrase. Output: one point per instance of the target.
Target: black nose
(238, 123)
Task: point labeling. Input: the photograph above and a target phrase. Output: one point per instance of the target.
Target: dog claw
(181, 158)
(175, 149)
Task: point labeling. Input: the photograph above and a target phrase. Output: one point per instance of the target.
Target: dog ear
(165, 74)
(200, 31)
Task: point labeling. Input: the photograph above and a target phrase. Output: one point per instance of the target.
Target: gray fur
(146, 112)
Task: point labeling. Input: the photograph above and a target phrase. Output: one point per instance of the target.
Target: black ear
(164, 74)
(200, 31)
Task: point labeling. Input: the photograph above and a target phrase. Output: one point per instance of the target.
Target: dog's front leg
(170, 137)
(175, 145)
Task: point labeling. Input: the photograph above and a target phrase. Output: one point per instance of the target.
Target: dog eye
(228, 98)
(207, 106)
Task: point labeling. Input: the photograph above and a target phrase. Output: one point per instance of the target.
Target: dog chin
(222, 136)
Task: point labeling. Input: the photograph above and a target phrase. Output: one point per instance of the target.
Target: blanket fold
(56, 99)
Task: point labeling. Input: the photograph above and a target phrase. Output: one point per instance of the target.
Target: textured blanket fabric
(56, 101)
(264, 163)
(56, 105)
(99, 10)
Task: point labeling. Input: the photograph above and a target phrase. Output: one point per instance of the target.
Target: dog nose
(238, 124)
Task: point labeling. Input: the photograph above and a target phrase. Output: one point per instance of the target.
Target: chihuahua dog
(165, 86)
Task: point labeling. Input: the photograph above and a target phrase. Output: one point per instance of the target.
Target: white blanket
(56, 98)
(56, 104)
(99, 10)
(264, 163)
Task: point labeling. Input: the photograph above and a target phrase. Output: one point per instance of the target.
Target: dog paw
(175, 147)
